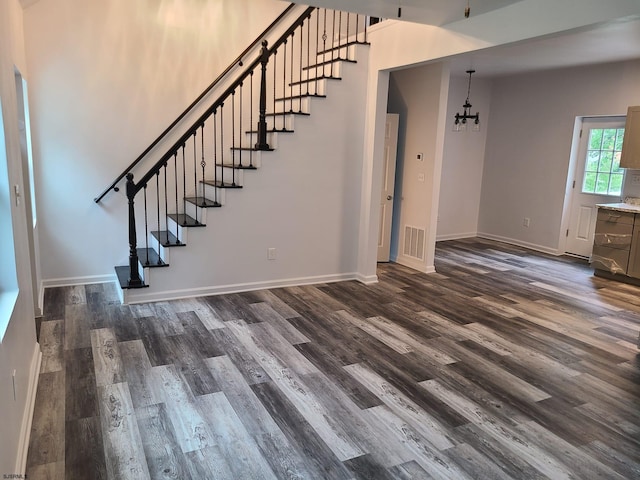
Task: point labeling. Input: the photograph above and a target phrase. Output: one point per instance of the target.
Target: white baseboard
(72, 281)
(27, 417)
(367, 279)
(455, 236)
(415, 264)
(144, 295)
(520, 243)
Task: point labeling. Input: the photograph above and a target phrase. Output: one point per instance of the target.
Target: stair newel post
(134, 275)
(262, 118)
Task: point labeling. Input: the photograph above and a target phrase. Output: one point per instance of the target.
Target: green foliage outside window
(602, 173)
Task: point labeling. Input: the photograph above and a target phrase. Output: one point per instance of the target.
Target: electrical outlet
(526, 222)
(271, 253)
(635, 179)
(421, 177)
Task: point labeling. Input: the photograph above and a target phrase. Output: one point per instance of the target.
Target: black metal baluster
(203, 164)
(339, 33)
(233, 138)
(262, 120)
(166, 207)
(284, 83)
(134, 276)
(333, 40)
(324, 45)
(275, 53)
(195, 177)
(240, 133)
(221, 144)
(251, 116)
(215, 155)
(358, 27)
(291, 69)
(184, 184)
(176, 182)
(309, 51)
(146, 226)
(301, 55)
(317, 46)
(158, 209)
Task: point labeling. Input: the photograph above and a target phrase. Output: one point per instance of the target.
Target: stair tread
(185, 220)
(281, 114)
(301, 96)
(122, 272)
(220, 184)
(246, 149)
(344, 45)
(329, 62)
(148, 257)
(272, 130)
(311, 80)
(167, 239)
(237, 166)
(203, 202)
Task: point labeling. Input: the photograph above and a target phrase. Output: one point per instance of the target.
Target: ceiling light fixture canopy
(460, 123)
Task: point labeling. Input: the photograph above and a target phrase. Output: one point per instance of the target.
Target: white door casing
(388, 183)
(583, 212)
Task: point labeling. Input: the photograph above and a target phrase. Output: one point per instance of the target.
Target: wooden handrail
(237, 61)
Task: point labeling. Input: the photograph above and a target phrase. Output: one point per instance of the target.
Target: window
(602, 172)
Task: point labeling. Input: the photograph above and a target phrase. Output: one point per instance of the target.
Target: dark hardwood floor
(504, 364)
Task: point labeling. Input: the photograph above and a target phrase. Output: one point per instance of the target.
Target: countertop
(621, 207)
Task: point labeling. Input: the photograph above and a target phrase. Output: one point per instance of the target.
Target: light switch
(420, 156)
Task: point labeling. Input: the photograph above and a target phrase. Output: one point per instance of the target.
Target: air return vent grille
(414, 242)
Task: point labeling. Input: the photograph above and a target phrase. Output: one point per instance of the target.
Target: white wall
(401, 44)
(18, 349)
(106, 79)
(463, 161)
(529, 143)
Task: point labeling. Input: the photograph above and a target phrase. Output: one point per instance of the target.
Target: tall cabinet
(631, 145)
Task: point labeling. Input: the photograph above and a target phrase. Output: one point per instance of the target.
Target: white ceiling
(613, 41)
(430, 12)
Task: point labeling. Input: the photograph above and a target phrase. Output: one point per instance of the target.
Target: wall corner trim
(27, 417)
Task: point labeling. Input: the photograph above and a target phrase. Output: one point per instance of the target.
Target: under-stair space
(266, 152)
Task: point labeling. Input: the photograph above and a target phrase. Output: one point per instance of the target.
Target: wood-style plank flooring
(504, 364)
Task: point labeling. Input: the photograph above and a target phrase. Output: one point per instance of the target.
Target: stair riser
(333, 69)
(281, 121)
(229, 175)
(312, 87)
(214, 193)
(293, 105)
(198, 213)
(183, 232)
(348, 52)
(246, 157)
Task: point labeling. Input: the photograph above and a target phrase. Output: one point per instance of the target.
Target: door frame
(569, 190)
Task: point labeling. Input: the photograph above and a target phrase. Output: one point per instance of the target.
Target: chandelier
(460, 124)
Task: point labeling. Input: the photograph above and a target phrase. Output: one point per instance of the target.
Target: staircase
(249, 125)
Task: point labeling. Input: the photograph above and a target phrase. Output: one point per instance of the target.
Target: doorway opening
(595, 177)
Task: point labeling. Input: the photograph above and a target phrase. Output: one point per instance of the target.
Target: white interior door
(388, 181)
(597, 179)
